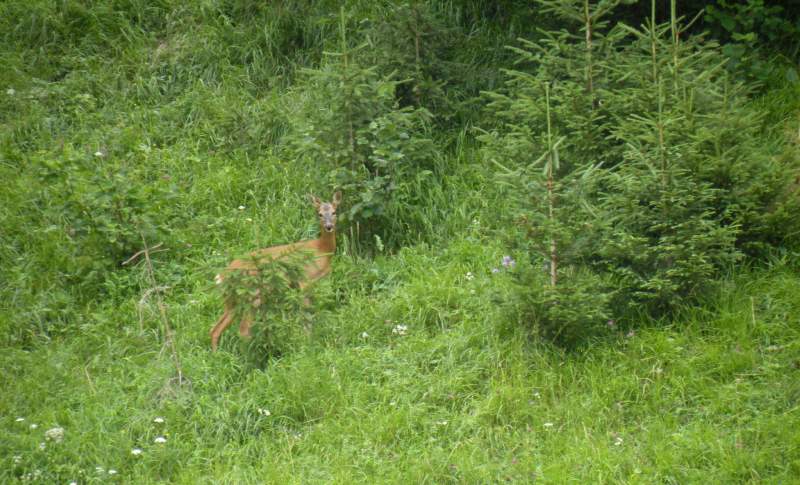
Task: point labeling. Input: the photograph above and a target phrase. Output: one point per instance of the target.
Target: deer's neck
(327, 241)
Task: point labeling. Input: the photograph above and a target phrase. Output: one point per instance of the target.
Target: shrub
(92, 213)
(269, 293)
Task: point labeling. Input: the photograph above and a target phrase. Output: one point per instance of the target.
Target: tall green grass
(421, 366)
(460, 396)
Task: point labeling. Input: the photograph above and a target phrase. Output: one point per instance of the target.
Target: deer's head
(327, 211)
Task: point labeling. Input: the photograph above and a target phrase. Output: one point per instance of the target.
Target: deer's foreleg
(224, 322)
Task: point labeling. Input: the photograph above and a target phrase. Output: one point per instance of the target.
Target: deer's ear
(314, 200)
(337, 198)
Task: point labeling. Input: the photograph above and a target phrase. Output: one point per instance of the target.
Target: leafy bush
(753, 31)
(268, 291)
(94, 213)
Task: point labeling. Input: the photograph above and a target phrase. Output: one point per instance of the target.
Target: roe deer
(320, 251)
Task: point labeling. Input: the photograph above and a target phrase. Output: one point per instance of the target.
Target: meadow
(439, 349)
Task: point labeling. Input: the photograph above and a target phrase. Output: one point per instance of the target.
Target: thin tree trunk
(553, 249)
(551, 196)
(417, 61)
(589, 74)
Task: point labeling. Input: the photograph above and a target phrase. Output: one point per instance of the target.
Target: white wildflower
(364, 335)
(56, 434)
(441, 423)
(264, 412)
(17, 459)
(548, 425)
(99, 469)
(136, 451)
(241, 207)
(98, 154)
(618, 441)
(160, 439)
(42, 445)
(19, 420)
(469, 276)
(11, 91)
(249, 219)
(111, 471)
(158, 420)
(33, 426)
(73, 483)
(400, 329)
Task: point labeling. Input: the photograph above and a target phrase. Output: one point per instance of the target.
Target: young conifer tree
(548, 128)
(413, 41)
(652, 176)
(349, 124)
(665, 236)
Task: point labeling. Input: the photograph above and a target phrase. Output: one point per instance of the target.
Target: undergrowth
(143, 145)
(402, 384)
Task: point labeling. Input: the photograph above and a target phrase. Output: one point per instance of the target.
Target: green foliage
(662, 243)
(102, 209)
(350, 125)
(641, 407)
(569, 314)
(552, 111)
(268, 291)
(754, 30)
(424, 361)
(414, 43)
(634, 186)
(696, 120)
(72, 219)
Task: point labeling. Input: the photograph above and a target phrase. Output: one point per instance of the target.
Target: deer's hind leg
(247, 319)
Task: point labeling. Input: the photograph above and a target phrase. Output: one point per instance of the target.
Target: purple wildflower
(612, 324)
(508, 262)
(495, 270)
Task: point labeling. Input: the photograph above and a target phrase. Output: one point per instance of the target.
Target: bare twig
(139, 253)
(169, 341)
(143, 303)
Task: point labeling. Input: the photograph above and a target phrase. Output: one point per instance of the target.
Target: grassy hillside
(462, 397)
(127, 124)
